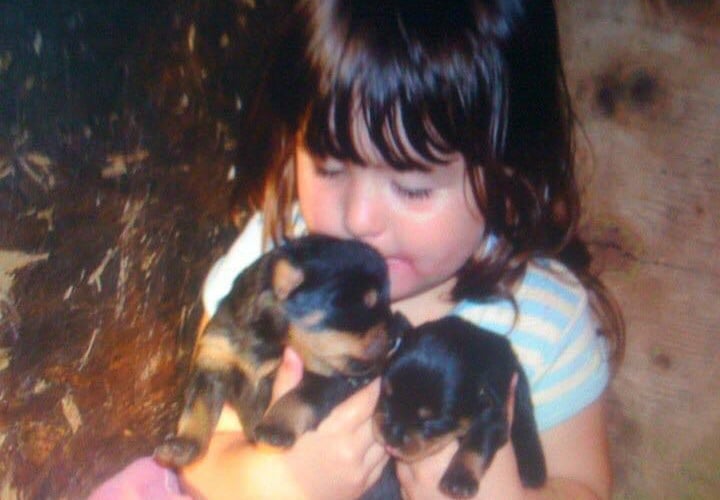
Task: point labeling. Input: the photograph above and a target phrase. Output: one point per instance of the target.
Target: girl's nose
(364, 215)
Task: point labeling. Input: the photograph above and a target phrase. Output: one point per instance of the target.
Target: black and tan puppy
(449, 380)
(326, 298)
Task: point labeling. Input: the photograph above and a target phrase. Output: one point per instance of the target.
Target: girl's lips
(396, 262)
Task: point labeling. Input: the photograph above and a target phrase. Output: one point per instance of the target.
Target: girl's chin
(404, 280)
(397, 267)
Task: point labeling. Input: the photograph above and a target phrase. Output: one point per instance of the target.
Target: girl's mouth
(396, 263)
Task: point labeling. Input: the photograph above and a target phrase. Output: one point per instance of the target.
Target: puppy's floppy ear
(286, 277)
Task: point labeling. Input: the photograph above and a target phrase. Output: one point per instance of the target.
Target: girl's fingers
(375, 455)
(289, 374)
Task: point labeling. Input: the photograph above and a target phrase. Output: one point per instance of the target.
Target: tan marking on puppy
(311, 320)
(216, 353)
(387, 387)
(285, 278)
(290, 412)
(470, 460)
(370, 298)
(418, 447)
(195, 423)
(425, 412)
(328, 352)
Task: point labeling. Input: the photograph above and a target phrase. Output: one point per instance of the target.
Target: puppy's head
(336, 297)
(420, 408)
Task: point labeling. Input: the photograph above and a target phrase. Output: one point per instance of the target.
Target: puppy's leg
(203, 404)
(524, 437)
(486, 435)
(250, 400)
(301, 409)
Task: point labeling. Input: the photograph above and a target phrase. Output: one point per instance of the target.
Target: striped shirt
(553, 332)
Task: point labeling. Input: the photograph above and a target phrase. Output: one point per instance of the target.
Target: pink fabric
(143, 479)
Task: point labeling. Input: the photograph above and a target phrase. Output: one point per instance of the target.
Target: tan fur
(470, 460)
(417, 447)
(285, 278)
(328, 352)
(195, 424)
(371, 298)
(216, 353)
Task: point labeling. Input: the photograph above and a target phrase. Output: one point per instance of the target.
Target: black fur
(448, 380)
(296, 295)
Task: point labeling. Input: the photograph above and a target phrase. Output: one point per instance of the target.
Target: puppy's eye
(425, 413)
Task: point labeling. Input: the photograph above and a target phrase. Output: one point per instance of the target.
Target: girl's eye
(329, 169)
(412, 193)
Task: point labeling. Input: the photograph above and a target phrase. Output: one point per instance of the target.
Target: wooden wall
(645, 77)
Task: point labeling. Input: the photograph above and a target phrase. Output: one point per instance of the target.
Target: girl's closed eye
(328, 168)
(412, 193)
(414, 186)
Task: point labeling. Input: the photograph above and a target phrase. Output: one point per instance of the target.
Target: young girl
(440, 133)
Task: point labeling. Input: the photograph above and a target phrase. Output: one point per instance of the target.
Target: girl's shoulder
(548, 299)
(554, 333)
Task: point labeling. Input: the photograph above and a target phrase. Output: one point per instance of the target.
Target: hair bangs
(397, 84)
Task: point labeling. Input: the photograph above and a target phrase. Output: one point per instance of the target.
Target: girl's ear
(285, 278)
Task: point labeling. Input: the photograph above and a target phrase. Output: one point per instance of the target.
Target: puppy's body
(451, 380)
(329, 300)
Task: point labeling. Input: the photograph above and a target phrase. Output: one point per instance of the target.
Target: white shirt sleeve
(244, 251)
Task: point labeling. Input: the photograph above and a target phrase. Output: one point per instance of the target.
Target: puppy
(326, 298)
(447, 380)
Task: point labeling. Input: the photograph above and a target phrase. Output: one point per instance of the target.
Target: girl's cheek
(321, 207)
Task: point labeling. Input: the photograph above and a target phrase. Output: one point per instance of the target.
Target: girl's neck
(429, 305)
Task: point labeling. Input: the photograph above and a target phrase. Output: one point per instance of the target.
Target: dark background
(116, 143)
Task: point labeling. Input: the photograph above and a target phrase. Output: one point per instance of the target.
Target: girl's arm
(576, 452)
(338, 460)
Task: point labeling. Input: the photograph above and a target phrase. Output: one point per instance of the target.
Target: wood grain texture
(645, 80)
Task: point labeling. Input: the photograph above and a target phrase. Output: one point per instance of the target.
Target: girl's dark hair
(433, 77)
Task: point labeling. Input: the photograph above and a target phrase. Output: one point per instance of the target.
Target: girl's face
(425, 224)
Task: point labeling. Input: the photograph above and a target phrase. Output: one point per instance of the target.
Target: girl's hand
(340, 459)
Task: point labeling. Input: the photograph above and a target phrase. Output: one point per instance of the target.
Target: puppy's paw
(177, 452)
(459, 482)
(275, 435)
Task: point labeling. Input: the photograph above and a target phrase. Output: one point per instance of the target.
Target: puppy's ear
(285, 278)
